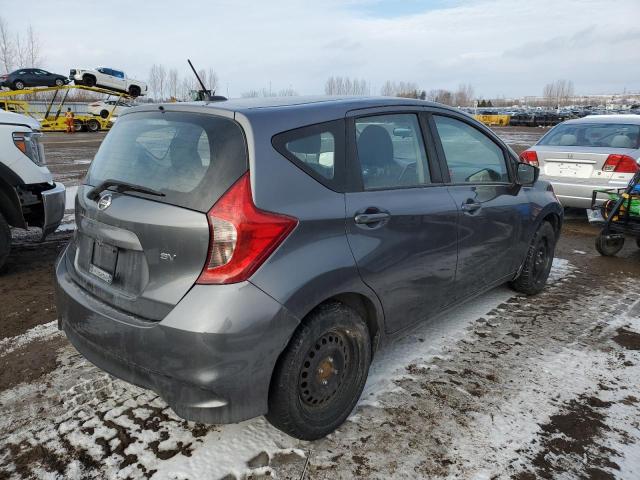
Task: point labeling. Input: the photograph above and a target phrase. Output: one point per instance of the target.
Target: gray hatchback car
(248, 257)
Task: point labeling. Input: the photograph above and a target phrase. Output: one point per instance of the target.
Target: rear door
(401, 221)
(140, 252)
(493, 212)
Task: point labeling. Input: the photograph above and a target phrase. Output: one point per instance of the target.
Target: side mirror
(527, 174)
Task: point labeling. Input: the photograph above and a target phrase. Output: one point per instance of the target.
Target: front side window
(472, 157)
(391, 151)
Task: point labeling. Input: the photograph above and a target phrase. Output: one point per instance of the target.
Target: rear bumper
(53, 202)
(210, 359)
(578, 195)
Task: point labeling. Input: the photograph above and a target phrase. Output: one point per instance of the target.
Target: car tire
(608, 247)
(89, 81)
(18, 85)
(93, 125)
(104, 113)
(134, 91)
(638, 242)
(319, 377)
(537, 264)
(5, 240)
(59, 82)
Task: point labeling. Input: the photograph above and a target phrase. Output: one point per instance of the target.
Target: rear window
(191, 158)
(610, 135)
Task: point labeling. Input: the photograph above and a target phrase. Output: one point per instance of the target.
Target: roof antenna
(205, 94)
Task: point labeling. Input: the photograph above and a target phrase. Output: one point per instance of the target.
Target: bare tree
(33, 49)
(172, 82)
(266, 92)
(558, 93)
(7, 48)
(401, 89)
(346, 86)
(463, 97)
(440, 96)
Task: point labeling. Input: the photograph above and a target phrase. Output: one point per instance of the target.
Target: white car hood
(17, 119)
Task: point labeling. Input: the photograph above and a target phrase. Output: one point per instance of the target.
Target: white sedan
(104, 108)
(592, 153)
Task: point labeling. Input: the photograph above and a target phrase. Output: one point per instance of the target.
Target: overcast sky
(501, 47)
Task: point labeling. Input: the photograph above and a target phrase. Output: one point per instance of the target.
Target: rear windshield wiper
(121, 187)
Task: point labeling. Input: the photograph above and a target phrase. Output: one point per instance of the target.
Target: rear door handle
(367, 218)
(471, 206)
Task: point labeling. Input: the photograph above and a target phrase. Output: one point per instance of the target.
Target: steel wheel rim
(540, 259)
(324, 369)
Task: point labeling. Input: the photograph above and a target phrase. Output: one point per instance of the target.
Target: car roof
(293, 105)
(275, 114)
(622, 118)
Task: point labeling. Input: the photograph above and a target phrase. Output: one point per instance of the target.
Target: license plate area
(103, 261)
(568, 169)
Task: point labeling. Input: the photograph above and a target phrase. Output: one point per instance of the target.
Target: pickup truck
(108, 78)
(28, 194)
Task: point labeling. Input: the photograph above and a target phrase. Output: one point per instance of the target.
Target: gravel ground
(506, 386)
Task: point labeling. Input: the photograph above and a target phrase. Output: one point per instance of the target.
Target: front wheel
(59, 82)
(321, 374)
(134, 91)
(537, 264)
(608, 245)
(5, 240)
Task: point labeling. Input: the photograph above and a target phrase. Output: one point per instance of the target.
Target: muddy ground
(506, 386)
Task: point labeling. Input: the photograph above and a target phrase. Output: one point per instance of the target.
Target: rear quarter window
(317, 149)
(191, 158)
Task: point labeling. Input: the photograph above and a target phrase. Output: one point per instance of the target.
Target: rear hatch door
(140, 251)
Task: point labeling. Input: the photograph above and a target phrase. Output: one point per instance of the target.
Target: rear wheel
(638, 242)
(77, 126)
(89, 81)
(321, 374)
(134, 91)
(537, 265)
(608, 245)
(93, 125)
(104, 113)
(5, 240)
(18, 85)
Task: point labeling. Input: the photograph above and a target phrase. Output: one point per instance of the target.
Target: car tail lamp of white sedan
(619, 163)
(530, 157)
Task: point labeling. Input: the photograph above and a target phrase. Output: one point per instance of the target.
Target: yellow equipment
(494, 120)
(55, 122)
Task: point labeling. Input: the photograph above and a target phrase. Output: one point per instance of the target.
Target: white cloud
(500, 46)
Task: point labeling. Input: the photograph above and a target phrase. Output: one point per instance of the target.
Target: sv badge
(167, 257)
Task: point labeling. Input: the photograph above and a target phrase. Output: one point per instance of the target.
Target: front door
(402, 222)
(493, 210)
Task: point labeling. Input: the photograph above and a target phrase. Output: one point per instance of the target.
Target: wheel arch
(10, 205)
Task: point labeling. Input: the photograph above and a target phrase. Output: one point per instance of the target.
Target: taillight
(619, 163)
(241, 236)
(530, 157)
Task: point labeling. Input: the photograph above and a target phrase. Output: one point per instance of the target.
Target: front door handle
(367, 218)
(471, 206)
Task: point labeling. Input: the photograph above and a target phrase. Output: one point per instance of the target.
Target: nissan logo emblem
(104, 202)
